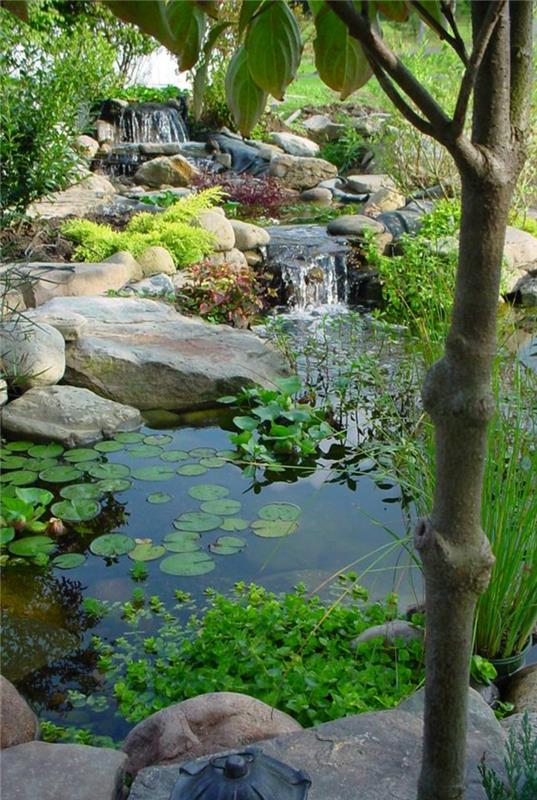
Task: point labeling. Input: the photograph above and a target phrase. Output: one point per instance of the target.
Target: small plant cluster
(247, 196)
(50, 732)
(175, 229)
(345, 152)
(138, 93)
(520, 767)
(221, 293)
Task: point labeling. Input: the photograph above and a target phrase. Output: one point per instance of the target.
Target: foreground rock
(90, 195)
(68, 415)
(204, 724)
(171, 170)
(521, 689)
(18, 723)
(248, 236)
(144, 354)
(62, 772)
(375, 756)
(301, 173)
(31, 355)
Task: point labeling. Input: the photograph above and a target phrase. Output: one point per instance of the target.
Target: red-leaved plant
(262, 196)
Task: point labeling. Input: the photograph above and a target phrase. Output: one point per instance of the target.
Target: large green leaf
(433, 8)
(245, 98)
(81, 454)
(150, 16)
(147, 551)
(112, 544)
(187, 564)
(19, 477)
(182, 541)
(35, 496)
(198, 88)
(197, 521)
(273, 48)
(78, 510)
(396, 10)
(68, 560)
(105, 472)
(81, 491)
(32, 546)
(248, 9)
(187, 23)
(339, 58)
(60, 474)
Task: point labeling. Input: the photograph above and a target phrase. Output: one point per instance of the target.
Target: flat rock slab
(144, 354)
(61, 772)
(67, 414)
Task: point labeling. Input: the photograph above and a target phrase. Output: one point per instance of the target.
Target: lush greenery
(138, 93)
(175, 229)
(520, 767)
(221, 293)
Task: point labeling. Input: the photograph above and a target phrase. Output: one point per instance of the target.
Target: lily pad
(129, 437)
(145, 451)
(156, 473)
(225, 507)
(187, 564)
(68, 560)
(174, 455)
(80, 510)
(80, 454)
(52, 450)
(234, 524)
(273, 528)
(41, 497)
(40, 464)
(19, 477)
(227, 545)
(229, 455)
(32, 546)
(18, 447)
(203, 452)
(106, 471)
(280, 511)
(60, 474)
(112, 544)
(182, 541)
(81, 491)
(6, 535)
(212, 463)
(158, 438)
(147, 552)
(197, 521)
(191, 469)
(108, 446)
(15, 462)
(208, 491)
(114, 484)
(158, 497)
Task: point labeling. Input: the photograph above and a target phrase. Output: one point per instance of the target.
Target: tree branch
(398, 101)
(493, 14)
(448, 13)
(441, 31)
(521, 61)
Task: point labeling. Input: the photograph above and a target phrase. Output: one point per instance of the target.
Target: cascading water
(149, 122)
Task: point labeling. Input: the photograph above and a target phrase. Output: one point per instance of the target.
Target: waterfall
(149, 122)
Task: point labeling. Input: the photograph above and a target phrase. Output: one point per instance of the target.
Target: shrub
(263, 196)
(520, 767)
(345, 152)
(221, 293)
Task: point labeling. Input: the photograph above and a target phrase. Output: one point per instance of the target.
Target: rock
(301, 173)
(62, 772)
(295, 145)
(332, 184)
(68, 415)
(369, 125)
(253, 258)
(520, 248)
(384, 199)
(11, 300)
(390, 632)
(367, 184)
(225, 159)
(514, 723)
(527, 292)
(70, 325)
(194, 149)
(104, 131)
(91, 195)
(18, 723)
(234, 258)
(3, 392)
(87, 146)
(156, 260)
(127, 260)
(220, 227)
(266, 150)
(247, 236)
(521, 689)
(322, 129)
(173, 170)
(205, 724)
(161, 148)
(31, 355)
(318, 195)
(353, 225)
(155, 285)
(143, 353)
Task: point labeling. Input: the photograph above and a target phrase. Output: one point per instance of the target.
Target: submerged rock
(18, 723)
(31, 355)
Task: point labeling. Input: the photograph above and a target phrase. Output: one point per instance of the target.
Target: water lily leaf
(80, 454)
(32, 546)
(197, 521)
(208, 491)
(229, 455)
(147, 552)
(107, 471)
(19, 477)
(203, 452)
(112, 544)
(18, 447)
(212, 463)
(114, 484)
(158, 438)
(15, 462)
(234, 524)
(145, 451)
(157, 473)
(174, 455)
(245, 423)
(227, 545)
(60, 474)
(79, 510)
(182, 541)
(158, 497)
(6, 535)
(273, 528)
(191, 469)
(224, 507)
(187, 564)
(108, 446)
(283, 511)
(68, 560)
(81, 491)
(40, 464)
(52, 450)
(129, 437)
(41, 497)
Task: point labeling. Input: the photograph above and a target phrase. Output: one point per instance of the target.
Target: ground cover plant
(520, 762)
(246, 197)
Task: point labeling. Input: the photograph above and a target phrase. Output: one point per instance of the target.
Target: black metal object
(245, 775)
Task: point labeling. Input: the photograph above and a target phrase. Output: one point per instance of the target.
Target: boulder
(215, 222)
(514, 724)
(520, 248)
(521, 689)
(3, 392)
(253, 258)
(128, 261)
(353, 225)
(295, 145)
(68, 415)
(301, 173)
(234, 258)
(156, 260)
(527, 291)
(322, 129)
(104, 131)
(18, 723)
(204, 724)
(87, 146)
(31, 355)
(62, 772)
(70, 325)
(156, 285)
(161, 148)
(318, 195)
(144, 354)
(172, 170)
(368, 125)
(247, 236)
(367, 184)
(390, 632)
(91, 195)
(382, 200)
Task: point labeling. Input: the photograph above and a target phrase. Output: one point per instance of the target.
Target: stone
(318, 195)
(91, 195)
(62, 772)
(215, 223)
(194, 149)
(18, 723)
(11, 300)
(144, 354)
(369, 125)
(104, 131)
(253, 258)
(248, 236)
(3, 392)
(391, 632)
(69, 415)
(295, 145)
(161, 148)
(521, 689)
(70, 325)
(353, 225)
(160, 284)
(322, 129)
(332, 184)
(527, 292)
(224, 159)
(384, 199)
(520, 248)
(234, 258)
(201, 725)
(367, 184)
(514, 723)
(156, 260)
(31, 355)
(127, 260)
(87, 145)
(172, 170)
(301, 173)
